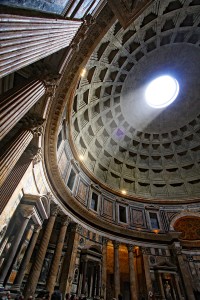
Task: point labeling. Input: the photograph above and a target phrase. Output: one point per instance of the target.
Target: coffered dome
(124, 143)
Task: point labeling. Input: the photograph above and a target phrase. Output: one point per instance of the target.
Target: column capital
(145, 250)
(82, 33)
(105, 240)
(54, 209)
(130, 247)
(33, 123)
(116, 244)
(75, 227)
(51, 83)
(177, 250)
(33, 152)
(65, 220)
(38, 156)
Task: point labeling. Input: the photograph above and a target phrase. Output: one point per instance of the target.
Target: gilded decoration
(189, 228)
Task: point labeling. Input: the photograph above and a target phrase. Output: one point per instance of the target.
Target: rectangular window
(71, 179)
(94, 201)
(154, 220)
(122, 214)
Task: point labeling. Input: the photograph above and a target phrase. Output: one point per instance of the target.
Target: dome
(100, 184)
(124, 144)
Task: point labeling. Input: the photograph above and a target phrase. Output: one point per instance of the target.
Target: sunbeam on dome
(100, 149)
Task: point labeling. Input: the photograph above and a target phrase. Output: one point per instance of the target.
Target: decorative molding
(128, 10)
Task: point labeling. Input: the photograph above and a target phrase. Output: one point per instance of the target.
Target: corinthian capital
(130, 247)
(105, 241)
(65, 220)
(54, 210)
(51, 82)
(177, 250)
(33, 152)
(33, 123)
(146, 250)
(116, 244)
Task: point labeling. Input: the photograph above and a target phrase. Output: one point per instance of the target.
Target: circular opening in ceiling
(162, 91)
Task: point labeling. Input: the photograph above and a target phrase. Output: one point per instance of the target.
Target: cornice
(64, 93)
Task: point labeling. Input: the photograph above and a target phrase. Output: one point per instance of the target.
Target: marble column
(26, 214)
(116, 269)
(141, 284)
(145, 252)
(84, 266)
(184, 271)
(132, 275)
(25, 39)
(26, 259)
(15, 104)
(51, 281)
(104, 268)
(38, 263)
(161, 286)
(14, 149)
(67, 271)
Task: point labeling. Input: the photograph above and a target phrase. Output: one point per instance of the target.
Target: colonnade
(9, 256)
(25, 40)
(93, 280)
(146, 287)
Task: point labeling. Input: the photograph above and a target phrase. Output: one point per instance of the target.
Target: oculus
(161, 91)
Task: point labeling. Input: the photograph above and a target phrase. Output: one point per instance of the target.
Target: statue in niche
(167, 289)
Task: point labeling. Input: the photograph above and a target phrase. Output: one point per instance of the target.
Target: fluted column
(104, 268)
(132, 275)
(67, 272)
(12, 152)
(14, 105)
(116, 269)
(184, 271)
(145, 252)
(25, 39)
(37, 264)
(27, 214)
(51, 281)
(26, 259)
